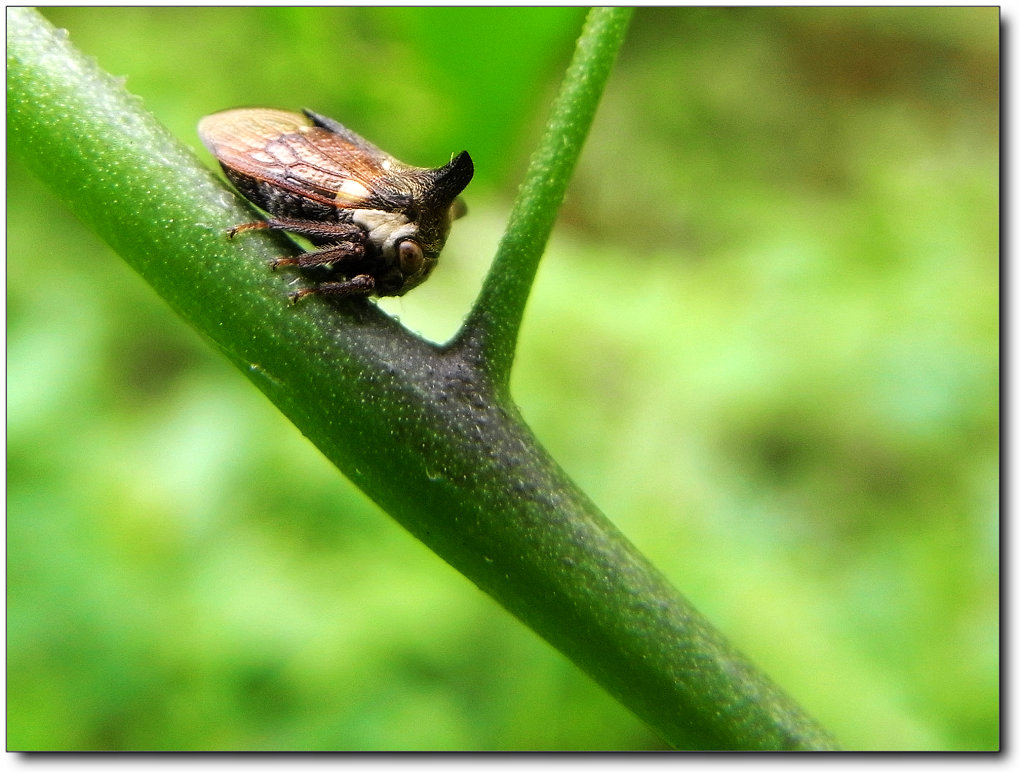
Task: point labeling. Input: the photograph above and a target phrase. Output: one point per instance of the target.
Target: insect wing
(281, 148)
(381, 157)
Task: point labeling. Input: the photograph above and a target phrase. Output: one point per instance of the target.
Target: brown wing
(284, 149)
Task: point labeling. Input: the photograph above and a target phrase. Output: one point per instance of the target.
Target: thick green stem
(422, 431)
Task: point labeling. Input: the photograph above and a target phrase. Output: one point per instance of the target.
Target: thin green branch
(491, 329)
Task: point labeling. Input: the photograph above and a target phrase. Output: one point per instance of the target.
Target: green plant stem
(420, 429)
(489, 335)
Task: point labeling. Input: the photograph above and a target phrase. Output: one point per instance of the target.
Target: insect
(377, 224)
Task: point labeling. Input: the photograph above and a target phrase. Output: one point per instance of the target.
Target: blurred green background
(764, 339)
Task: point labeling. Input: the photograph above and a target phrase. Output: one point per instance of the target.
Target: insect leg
(362, 284)
(333, 231)
(334, 253)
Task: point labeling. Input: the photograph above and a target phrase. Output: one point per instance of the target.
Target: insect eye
(411, 257)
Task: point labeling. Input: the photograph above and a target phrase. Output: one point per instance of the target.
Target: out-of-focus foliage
(764, 340)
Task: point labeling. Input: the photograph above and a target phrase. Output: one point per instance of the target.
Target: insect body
(378, 225)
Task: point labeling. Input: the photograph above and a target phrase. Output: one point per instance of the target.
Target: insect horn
(448, 181)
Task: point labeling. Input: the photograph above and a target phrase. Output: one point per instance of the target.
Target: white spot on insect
(352, 190)
(384, 228)
(387, 164)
